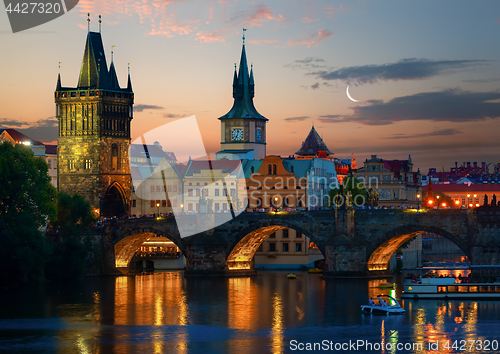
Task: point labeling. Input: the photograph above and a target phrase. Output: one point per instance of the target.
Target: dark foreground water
(167, 313)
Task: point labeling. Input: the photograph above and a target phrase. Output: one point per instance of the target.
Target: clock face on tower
(237, 134)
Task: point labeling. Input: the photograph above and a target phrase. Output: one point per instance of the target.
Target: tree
(494, 200)
(72, 247)
(485, 201)
(352, 192)
(25, 184)
(27, 201)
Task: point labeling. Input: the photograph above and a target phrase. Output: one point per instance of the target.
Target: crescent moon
(349, 96)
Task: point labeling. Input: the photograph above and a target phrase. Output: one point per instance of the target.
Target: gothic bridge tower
(243, 129)
(94, 133)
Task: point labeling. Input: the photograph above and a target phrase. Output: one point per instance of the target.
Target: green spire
(243, 92)
(93, 61)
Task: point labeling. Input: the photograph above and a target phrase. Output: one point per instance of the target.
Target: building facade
(94, 133)
(394, 180)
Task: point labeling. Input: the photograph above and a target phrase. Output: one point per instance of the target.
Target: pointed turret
(313, 145)
(94, 67)
(251, 83)
(243, 92)
(129, 84)
(113, 79)
(58, 85)
(235, 82)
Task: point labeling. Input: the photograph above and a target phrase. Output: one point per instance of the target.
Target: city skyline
(425, 74)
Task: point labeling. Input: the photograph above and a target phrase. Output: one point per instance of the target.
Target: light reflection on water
(167, 313)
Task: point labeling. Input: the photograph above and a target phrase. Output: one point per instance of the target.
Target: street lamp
(418, 201)
(182, 208)
(158, 206)
(275, 205)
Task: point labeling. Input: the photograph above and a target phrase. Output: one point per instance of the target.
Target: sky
(425, 74)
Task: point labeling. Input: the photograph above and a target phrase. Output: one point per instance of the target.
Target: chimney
(374, 156)
(475, 165)
(468, 165)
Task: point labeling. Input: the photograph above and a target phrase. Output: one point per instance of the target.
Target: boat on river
(448, 288)
(383, 307)
(315, 270)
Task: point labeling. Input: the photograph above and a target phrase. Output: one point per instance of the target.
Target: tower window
(88, 164)
(274, 169)
(114, 156)
(269, 169)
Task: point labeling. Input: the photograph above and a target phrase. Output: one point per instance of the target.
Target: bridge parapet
(354, 242)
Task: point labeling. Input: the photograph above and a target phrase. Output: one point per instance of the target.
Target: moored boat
(315, 270)
(448, 288)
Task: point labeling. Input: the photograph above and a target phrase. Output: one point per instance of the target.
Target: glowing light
(238, 266)
(468, 195)
(410, 288)
(477, 205)
(475, 195)
(443, 205)
(418, 196)
(26, 143)
(437, 196)
(470, 205)
(457, 202)
(430, 201)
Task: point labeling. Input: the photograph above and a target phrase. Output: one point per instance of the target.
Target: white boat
(447, 288)
(378, 309)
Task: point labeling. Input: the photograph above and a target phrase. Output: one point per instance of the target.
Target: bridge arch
(391, 241)
(126, 247)
(248, 240)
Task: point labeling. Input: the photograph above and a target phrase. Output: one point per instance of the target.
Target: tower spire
(58, 86)
(129, 83)
(111, 52)
(100, 23)
(244, 29)
(88, 22)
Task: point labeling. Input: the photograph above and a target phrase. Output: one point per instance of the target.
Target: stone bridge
(354, 242)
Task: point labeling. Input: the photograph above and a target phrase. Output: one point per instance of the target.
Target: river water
(164, 312)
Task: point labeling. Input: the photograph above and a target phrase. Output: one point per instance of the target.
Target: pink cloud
(312, 39)
(331, 11)
(309, 19)
(257, 17)
(324, 33)
(263, 41)
(214, 36)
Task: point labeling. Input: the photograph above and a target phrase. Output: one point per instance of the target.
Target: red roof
(20, 137)
(462, 187)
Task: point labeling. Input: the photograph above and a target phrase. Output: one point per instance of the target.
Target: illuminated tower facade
(243, 129)
(94, 133)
